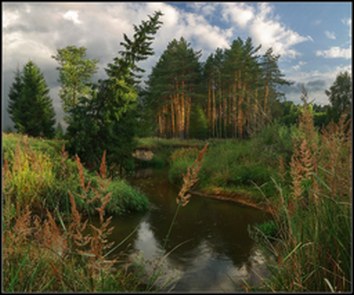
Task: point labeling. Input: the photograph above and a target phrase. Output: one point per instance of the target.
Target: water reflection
(214, 253)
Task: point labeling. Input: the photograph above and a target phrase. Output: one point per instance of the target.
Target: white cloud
(264, 27)
(308, 77)
(269, 32)
(298, 65)
(335, 52)
(330, 35)
(348, 22)
(72, 15)
(239, 13)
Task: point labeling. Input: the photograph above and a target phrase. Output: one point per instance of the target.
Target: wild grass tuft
(313, 244)
(56, 253)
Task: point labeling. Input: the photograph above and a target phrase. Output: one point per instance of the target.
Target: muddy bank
(234, 197)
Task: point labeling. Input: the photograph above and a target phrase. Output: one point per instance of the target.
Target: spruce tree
(30, 106)
(99, 118)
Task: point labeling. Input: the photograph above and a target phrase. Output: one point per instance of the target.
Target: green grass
(125, 199)
(156, 142)
(39, 176)
(232, 165)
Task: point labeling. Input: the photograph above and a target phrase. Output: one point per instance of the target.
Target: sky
(313, 39)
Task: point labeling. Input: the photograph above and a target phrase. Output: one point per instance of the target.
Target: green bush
(38, 175)
(268, 228)
(125, 199)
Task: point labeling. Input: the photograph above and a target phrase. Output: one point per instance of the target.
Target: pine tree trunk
(209, 110)
(214, 112)
(183, 113)
(266, 94)
(173, 131)
(188, 115)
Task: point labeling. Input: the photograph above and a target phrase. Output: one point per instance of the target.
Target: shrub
(125, 199)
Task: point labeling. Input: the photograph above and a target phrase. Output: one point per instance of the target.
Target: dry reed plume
(60, 249)
(191, 178)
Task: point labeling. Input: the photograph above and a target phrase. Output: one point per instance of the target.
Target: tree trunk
(173, 128)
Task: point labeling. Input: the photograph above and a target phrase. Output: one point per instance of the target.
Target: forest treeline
(233, 94)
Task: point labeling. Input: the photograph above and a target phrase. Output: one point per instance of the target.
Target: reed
(189, 180)
(313, 243)
(48, 251)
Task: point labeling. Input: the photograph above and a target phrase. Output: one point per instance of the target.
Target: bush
(125, 199)
(268, 228)
(38, 175)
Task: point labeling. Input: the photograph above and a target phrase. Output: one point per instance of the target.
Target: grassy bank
(242, 167)
(305, 177)
(163, 148)
(39, 173)
(49, 242)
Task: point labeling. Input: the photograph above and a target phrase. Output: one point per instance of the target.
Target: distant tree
(16, 108)
(30, 106)
(59, 133)
(75, 74)
(340, 96)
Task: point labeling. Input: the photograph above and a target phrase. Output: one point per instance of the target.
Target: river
(212, 248)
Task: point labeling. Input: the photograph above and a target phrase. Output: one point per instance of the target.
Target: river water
(212, 250)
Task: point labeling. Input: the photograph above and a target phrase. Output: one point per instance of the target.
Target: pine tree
(30, 106)
(173, 86)
(15, 107)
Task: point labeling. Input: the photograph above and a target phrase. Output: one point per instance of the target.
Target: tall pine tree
(30, 106)
(173, 86)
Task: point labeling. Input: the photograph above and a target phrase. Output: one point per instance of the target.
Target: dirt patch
(234, 197)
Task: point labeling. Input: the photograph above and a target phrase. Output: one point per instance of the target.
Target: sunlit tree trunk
(173, 128)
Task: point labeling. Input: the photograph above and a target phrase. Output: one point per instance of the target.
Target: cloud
(315, 82)
(264, 27)
(335, 52)
(330, 35)
(72, 15)
(269, 32)
(348, 22)
(239, 13)
(298, 65)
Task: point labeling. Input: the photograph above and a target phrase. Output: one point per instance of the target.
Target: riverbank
(50, 243)
(238, 198)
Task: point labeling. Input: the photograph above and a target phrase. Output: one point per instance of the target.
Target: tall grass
(40, 174)
(235, 165)
(313, 219)
(49, 252)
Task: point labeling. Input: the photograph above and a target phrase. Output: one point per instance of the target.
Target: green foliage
(98, 121)
(229, 164)
(125, 199)
(268, 228)
(174, 80)
(199, 124)
(30, 106)
(75, 74)
(40, 176)
(341, 96)
(59, 132)
(273, 141)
